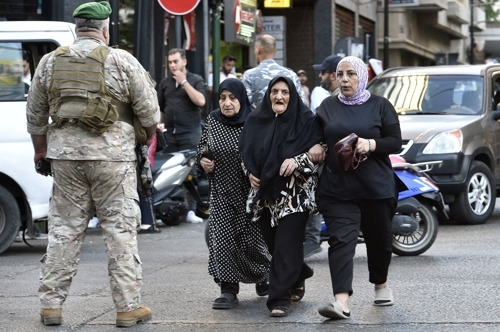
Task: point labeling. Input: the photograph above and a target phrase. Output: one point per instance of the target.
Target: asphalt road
(454, 286)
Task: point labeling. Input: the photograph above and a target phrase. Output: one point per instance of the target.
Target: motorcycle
(420, 206)
(171, 178)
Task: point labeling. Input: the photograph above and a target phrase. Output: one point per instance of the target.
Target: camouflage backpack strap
(125, 111)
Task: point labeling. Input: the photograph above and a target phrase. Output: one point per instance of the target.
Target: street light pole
(386, 34)
(471, 32)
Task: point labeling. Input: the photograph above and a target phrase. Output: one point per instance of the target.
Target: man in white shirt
(303, 80)
(226, 71)
(329, 84)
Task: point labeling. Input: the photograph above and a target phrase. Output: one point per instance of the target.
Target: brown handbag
(345, 149)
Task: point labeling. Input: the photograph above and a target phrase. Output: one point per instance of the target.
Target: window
(12, 86)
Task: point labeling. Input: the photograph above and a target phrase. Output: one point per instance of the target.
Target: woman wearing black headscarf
(237, 252)
(274, 145)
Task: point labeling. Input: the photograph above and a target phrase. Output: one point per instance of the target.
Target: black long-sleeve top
(374, 178)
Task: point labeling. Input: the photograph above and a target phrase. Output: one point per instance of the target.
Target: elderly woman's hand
(288, 167)
(207, 164)
(316, 153)
(254, 181)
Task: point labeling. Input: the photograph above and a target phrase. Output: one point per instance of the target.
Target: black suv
(449, 113)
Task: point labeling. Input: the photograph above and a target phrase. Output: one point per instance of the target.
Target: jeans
(313, 229)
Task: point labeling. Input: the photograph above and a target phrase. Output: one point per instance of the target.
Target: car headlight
(445, 142)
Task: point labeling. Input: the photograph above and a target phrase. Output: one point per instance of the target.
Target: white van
(24, 194)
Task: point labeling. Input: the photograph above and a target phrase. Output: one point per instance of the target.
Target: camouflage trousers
(81, 188)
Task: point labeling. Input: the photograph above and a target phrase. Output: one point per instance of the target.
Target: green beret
(93, 10)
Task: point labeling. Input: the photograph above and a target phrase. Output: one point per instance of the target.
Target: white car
(24, 194)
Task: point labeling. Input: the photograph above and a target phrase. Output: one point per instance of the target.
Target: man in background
(328, 85)
(303, 82)
(181, 97)
(226, 71)
(257, 79)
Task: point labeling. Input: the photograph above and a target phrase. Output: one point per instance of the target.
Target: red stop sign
(178, 7)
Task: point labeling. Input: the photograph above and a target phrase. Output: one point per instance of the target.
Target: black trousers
(230, 287)
(285, 243)
(343, 220)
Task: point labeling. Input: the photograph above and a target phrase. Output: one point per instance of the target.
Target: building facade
(416, 32)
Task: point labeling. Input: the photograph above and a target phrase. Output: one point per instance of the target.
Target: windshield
(424, 94)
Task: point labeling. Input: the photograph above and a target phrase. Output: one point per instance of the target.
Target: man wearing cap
(328, 87)
(303, 80)
(257, 79)
(93, 95)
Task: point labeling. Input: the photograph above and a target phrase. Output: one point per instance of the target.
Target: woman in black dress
(274, 145)
(237, 252)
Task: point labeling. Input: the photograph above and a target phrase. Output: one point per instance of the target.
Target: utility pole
(114, 22)
(216, 13)
(386, 34)
(471, 32)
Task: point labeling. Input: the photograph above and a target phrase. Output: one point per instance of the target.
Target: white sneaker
(193, 218)
(93, 223)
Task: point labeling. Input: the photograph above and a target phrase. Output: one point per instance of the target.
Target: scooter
(171, 178)
(416, 222)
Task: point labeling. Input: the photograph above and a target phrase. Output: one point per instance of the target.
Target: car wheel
(475, 204)
(10, 219)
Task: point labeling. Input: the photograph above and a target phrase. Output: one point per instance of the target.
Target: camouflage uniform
(257, 79)
(93, 172)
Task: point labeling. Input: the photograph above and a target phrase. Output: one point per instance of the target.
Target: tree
(492, 10)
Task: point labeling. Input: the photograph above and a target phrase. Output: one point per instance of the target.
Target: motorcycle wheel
(423, 238)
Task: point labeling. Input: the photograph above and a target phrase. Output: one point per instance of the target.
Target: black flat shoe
(225, 301)
(262, 288)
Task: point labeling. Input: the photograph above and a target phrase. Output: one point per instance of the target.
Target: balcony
(430, 5)
(458, 12)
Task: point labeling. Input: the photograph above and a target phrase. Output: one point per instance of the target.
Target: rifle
(145, 179)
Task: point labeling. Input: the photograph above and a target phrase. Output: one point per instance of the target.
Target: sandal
(225, 301)
(333, 311)
(383, 297)
(299, 288)
(298, 291)
(280, 311)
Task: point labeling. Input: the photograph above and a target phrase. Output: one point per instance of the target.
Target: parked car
(448, 113)
(24, 194)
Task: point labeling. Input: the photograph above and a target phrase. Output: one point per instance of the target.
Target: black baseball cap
(228, 57)
(330, 63)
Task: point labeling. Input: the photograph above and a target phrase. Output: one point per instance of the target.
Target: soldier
(257, 79)
(94, 95)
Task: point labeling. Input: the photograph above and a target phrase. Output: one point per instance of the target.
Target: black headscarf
(268, 139)
(237, 88)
